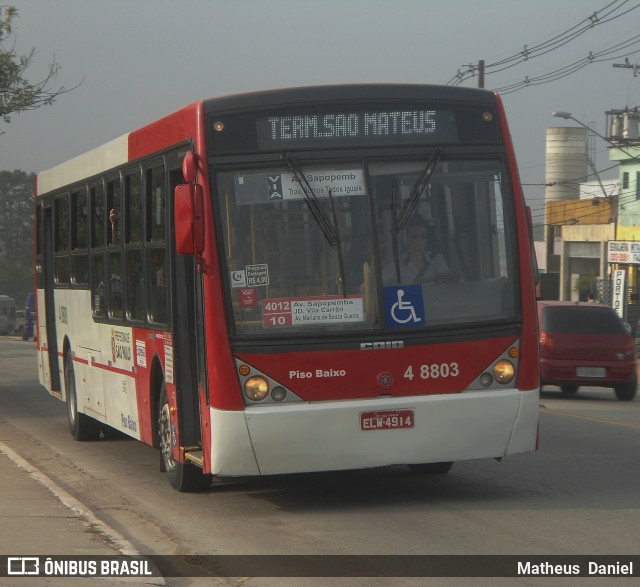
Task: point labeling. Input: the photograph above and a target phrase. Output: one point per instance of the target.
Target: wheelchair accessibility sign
(403, 305)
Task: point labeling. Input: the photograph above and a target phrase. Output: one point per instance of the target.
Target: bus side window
(114, 213)
(135, 285)
(158, 292)
(79, 237)
(97, 285)
(133, 204)
(79, 219)
(61, 210)
(115, 285)
(98, 215)
(155, 204)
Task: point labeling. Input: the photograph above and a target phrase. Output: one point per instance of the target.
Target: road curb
(87, 516)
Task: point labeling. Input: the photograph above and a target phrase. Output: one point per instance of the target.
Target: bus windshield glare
(413, 243)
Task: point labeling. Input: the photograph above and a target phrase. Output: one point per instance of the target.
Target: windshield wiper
(329, 227)
(394, 241)
(417, 190)
(400, 220)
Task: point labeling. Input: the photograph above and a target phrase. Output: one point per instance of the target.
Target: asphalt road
(578, 495)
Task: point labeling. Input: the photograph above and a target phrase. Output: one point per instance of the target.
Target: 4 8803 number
(432, 371)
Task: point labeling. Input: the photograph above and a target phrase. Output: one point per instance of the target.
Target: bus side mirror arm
(188, 215)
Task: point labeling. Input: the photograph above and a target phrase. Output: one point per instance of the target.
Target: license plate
(388, 420)
(591, 372)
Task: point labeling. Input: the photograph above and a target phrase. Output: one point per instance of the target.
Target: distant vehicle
(18, 325)
(7, 314)
(29, 317)
(586, 344)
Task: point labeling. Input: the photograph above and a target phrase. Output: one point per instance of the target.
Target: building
(593, 229)
(580, 217)
(624, 138)
(581, 228)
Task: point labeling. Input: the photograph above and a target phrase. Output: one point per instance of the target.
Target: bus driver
(421, 261)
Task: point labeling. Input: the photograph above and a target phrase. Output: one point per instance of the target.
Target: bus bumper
(327, 436)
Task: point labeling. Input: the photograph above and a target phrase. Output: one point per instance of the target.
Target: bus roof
(179, 125)
(107, 156)
(349, 92)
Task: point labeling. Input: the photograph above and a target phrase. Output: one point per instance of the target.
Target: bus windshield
(367, 244)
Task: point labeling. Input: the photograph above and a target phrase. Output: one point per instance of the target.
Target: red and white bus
(238, 284)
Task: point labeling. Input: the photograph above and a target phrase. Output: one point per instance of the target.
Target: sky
(136, 60)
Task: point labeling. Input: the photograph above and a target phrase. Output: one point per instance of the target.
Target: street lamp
(569, 116)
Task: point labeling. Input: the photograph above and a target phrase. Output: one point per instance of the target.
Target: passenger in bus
(113, 218)
(421, 261)
(358, 254)
(161, 277)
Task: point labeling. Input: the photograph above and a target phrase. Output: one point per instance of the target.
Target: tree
(17, 93)
(16, 233)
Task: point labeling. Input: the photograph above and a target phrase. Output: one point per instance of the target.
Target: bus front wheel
(81, 426)
(183, 477)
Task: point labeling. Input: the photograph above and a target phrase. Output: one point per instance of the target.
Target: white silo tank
(566, 162)
(616, 126)
(630, 126)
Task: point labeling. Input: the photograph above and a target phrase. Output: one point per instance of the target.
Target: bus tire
(184, 477)
(81, 426)
(431, 468)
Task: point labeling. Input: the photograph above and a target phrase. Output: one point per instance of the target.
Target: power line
(560, 40)
(528, 53)
(571, 68)
(602, 16)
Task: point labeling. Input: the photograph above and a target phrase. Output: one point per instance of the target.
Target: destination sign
(341, 126)
(378, 126)
(327, 126)
(312, 311)
(277, 185)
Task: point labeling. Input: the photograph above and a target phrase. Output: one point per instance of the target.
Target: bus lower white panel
(121, 405)
(525, 431)
(94, 403)
(231, 451)
(118, 381)
(44, 375)
(328, 436)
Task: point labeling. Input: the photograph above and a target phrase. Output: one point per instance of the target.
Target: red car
(583, 343)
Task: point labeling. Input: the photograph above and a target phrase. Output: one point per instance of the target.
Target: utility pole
(627, 65)
(481, 73)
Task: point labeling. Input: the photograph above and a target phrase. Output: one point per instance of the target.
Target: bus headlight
(504, 372)
(256, 388)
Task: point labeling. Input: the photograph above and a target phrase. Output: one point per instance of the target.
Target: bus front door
(49, 303)
(187, 339)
